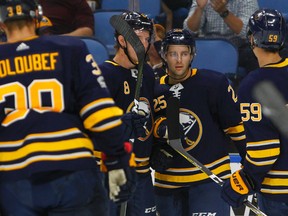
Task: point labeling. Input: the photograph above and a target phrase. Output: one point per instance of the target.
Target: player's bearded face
(178, 59)
(144, 37)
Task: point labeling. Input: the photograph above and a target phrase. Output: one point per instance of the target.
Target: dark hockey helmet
(19, 9)
(268, 28)
(178, 37)
(138, 21)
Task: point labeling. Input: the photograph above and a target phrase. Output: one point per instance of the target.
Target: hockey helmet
(19, 9)
(178, 37)
(268, 28)
(138, 21)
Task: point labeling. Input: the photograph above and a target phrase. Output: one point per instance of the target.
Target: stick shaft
(123, 28)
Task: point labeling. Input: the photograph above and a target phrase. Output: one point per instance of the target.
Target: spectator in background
(154, 57)
(69, 17)
(173, 13)
(224, 19)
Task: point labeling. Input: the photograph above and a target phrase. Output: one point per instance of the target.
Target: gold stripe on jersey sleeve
(97, 154)
(140, 160)
(142, 170)
(274, 191)
(45, 135)
(236, 129)
(97, 103)
(276, 181)
(263, 143)
(278, 172)
(166, 186)
(101, 115)
(58, 157)
(260, 163)
(237, 138)
(34, 148)
(271, 152)
(190, 178)
(107, 126)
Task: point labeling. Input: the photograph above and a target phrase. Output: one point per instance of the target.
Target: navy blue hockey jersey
(210, 120)
(267, 149)
(52, 94)
(121, 83)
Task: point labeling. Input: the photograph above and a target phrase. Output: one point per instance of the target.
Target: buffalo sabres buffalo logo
(144, 108)
(192, 128)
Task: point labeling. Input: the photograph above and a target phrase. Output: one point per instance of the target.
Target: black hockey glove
(121, 175)
(134, 125)
(236, 189)
(162, 156)
(160, 130)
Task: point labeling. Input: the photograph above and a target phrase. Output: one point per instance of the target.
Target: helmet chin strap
(128, 56)
(126, 51)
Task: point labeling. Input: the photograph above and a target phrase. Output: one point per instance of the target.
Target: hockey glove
(160, 130)
(236, 189)
(122, 184)
(121, 175)
(161, 157)
(134, 125)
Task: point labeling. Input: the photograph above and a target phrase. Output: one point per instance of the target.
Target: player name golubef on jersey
(30, 63)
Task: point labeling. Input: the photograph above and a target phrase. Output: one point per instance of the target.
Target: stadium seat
(216, 54)
(150, 7)
(104, 32)
(115, 4)
(97, 49)
(281, 5)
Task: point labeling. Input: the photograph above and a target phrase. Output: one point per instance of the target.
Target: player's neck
(177, 79)
(122, 60)
(266, 58)
(17, 34)
(155, 61)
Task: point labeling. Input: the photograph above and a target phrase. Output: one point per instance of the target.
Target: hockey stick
(123, 28)
(273, 105)
(172, 114)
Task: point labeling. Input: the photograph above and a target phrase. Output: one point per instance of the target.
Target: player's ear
(2, 27)
(122, 41)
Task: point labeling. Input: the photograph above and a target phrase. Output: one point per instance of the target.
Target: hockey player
(52, 94)
(210, 119)
(265, 169)
(121, 75)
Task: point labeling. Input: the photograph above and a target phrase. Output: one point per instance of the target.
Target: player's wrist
(118, 162)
